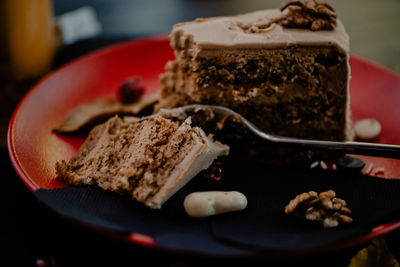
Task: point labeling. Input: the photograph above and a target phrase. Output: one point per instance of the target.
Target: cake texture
(148, 160)
(285, 70)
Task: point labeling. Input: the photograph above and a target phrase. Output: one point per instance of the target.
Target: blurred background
(373, 25)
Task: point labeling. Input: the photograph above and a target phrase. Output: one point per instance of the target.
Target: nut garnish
(296, 14)
(131, 90)
(310, 15)
(367, 129)
(301, 203)
(325, 208)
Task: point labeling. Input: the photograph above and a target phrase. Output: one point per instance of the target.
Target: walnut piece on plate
(324, 208)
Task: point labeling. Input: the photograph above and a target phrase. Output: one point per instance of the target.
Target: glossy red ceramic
(34, 148)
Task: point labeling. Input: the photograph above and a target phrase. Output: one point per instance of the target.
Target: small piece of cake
(149, 160)
(285, 70)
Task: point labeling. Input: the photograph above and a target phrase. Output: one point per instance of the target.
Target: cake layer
(294, 91)
(148, 160)
(287, 81)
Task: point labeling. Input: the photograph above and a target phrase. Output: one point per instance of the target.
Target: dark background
(29, 231)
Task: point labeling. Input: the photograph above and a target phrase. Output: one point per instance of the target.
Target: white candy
(367, 129)
(203, 204)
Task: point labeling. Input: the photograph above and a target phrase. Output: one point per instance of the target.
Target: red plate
(34, 148)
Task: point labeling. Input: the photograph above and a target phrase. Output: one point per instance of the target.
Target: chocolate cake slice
(149, 160)
(285, 70)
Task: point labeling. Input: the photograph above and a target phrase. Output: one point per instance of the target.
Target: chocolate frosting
(252, 30)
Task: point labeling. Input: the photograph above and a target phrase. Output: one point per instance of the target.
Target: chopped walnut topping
(310, 15)
(325, 208)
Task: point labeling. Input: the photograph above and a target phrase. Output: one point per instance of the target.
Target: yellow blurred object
(376, 254)
(31, 36)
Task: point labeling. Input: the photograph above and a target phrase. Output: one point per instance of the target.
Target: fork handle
(359, 148)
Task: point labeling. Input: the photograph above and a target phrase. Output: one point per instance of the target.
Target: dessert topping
(301, 202)
(296, 14)
(324, 208)
(131, 90)
(215, 172)
(204, 204)
(367, 129)
(310, 15)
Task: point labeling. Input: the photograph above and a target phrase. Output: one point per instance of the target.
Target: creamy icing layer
(230, 32)
(149, 160)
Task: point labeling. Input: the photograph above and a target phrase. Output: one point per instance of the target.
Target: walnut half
(310, 15)
(325, 208)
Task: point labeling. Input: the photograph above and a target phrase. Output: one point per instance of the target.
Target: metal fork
(359, 148)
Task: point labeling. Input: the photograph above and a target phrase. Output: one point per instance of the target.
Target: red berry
(131, 90)
(215, 172)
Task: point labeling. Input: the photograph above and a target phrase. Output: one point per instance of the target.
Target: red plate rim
(145, 240)
(102, 51)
